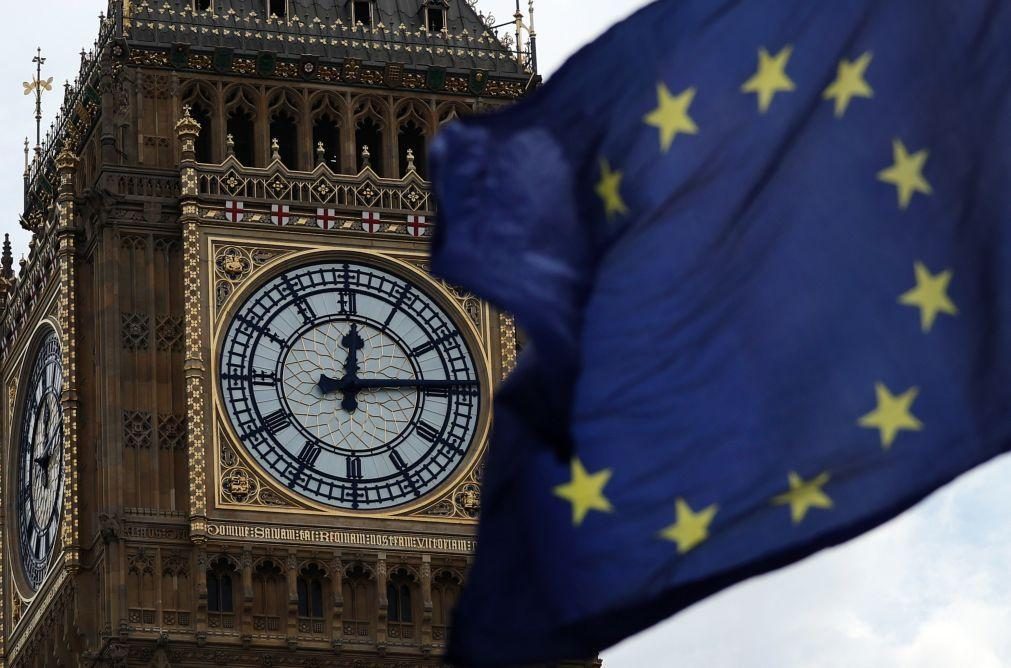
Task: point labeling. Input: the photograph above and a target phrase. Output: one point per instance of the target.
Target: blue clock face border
(39, 500)
(350, 385)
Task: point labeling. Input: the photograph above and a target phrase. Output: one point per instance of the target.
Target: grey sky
(928, 590)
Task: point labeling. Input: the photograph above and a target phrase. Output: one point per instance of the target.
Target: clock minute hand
(376, 383)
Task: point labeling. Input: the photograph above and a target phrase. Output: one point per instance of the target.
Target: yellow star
(609, 190)
(804, 495)
(906, 174)
(585, 491)
(849, 83)
(770, 78)
(671, 115)
(930, 295)
(892, 414)
(691, 528)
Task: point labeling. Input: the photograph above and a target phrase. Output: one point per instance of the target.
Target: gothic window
(176, 588)
(242, 130)
(205, 142)
(412, 138)
(140, 590)
(361, 12)
(445, 592)
(310, 592)
(359, 593)
(326, 130)
(220, 587)
(284, 109)
(278, 8)
(369, 134)
(400, 604)
(269, 597)
(284, 129)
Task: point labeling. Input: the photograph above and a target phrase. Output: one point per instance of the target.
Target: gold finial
(38, 86)
(275, 149)
(187, 126)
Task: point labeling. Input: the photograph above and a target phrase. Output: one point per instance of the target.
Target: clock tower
(241, 423)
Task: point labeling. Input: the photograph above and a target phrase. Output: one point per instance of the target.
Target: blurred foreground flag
(763, 254)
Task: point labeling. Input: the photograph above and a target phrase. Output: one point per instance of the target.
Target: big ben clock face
(350, 385)
(40, 462)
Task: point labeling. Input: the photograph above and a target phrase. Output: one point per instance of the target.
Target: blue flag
(762, 251)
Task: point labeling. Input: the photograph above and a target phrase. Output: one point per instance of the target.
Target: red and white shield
(280, 214)
(234, 211)
(326, 218)
(416, 226)
(370, 221)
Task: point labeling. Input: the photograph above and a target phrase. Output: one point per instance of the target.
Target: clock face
(350, 385)
(40, 462)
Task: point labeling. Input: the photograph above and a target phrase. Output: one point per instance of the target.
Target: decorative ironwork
(172, 432)
(136, 429)
(169, 333)
(135, 331)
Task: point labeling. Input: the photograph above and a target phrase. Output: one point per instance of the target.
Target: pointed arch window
(221, 594)
(412, 138)
(369, 134)
(269, 597)
(327, 122)
(310, 586)
(242, 129)
(205, 142)
(445, 592)
(400, 605)
(284, 129)
(358, 589)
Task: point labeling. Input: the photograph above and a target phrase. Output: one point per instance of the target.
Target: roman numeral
(264, 378)
(347, 302)
(441, 392)
(304, 307)
(354, 468)
(309, 454)
(424, 348)
(277, 421)
(397, 460)
(427, 431)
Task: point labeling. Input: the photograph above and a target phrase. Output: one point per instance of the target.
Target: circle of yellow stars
(893, 411)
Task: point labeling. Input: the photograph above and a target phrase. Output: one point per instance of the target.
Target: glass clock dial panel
(40, 462)
(350, 385)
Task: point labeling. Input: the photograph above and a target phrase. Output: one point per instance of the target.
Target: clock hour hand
(43, 463)
(348, 385)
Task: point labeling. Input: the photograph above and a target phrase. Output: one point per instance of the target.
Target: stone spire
(7, 261)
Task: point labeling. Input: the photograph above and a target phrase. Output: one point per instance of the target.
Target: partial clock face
(40, 461)
(350, 385)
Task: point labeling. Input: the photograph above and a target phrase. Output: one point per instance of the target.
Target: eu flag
(762, 251)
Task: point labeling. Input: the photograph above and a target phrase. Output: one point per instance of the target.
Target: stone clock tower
(241, 423)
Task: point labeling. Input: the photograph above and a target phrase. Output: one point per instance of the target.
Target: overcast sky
(928, 590)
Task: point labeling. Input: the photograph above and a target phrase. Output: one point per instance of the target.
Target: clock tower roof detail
(439, 33)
